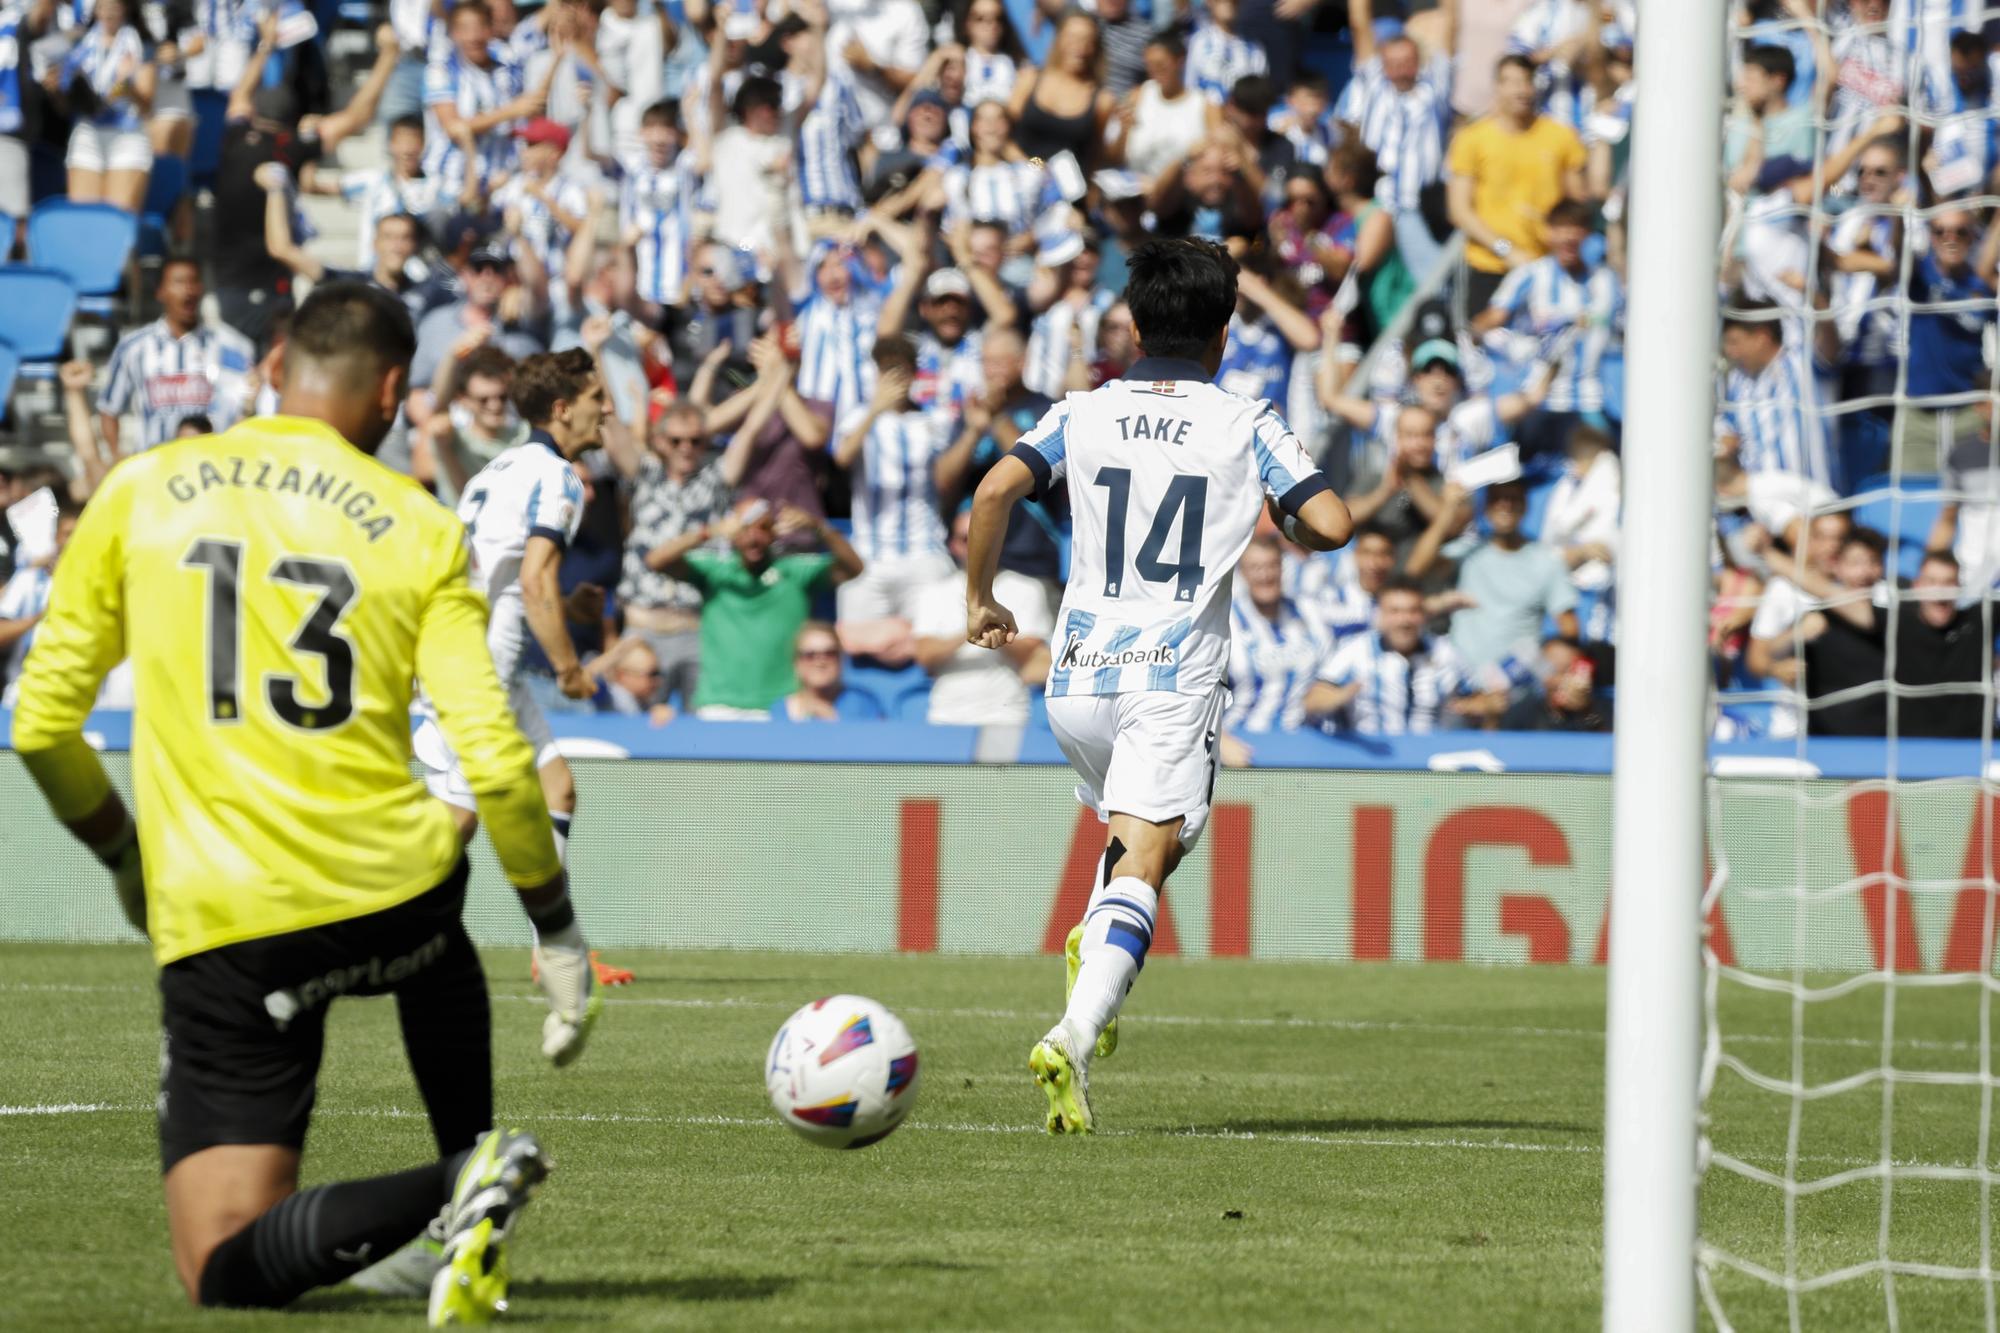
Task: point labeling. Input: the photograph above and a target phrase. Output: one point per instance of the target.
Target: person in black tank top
(1043, 133)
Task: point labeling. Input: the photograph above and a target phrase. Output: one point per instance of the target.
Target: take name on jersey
(1167, 477)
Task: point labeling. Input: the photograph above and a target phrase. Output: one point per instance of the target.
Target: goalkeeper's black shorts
(243, 1025)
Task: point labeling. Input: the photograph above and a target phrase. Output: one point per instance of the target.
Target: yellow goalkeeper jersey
(278, 591)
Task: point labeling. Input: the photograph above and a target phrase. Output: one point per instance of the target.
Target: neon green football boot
(1064, 1081)
(1107, 1040)
(493, 1186)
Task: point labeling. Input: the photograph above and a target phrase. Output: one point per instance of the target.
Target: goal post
(1653, 1011)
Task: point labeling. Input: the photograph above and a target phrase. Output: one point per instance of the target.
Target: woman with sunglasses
(1303, 233)
(822, 695)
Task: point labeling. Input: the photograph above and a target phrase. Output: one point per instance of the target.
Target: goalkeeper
(278, 592)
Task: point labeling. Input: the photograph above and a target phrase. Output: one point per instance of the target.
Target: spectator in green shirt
(753, 603)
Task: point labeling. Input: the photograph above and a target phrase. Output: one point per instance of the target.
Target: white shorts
(1147, 753)
(106, 148)
(443, 776)
(891, 586)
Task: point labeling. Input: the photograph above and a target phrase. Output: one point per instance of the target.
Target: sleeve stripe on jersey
(1293, 500)
(1037, 464)
(1269, 468)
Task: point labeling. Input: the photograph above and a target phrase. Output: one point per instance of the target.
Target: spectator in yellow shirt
(1507, 170)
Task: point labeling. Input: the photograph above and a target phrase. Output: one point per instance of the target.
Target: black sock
(324, 1235)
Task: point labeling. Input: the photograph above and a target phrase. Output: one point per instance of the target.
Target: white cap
(948, 282)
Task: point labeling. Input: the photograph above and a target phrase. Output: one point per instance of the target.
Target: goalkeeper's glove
(120, 855)
(562, 968)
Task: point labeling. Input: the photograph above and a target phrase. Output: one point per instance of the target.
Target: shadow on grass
(725, 1287)
(529, 1293)
(1372, 1125)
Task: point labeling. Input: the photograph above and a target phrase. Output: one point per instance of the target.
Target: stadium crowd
(834, 256)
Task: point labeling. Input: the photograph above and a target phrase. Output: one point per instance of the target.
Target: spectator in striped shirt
(1870, 77)
(1265, 333)
(1770, 419)
(25, 600)
(1400, 108)
(109, 157)
(400, 186)
(174, 367)
(473, 90)
(1460, 425)
(1565, 39)
(656, 200)
(1126, 33)
(1278, 649)
(1563, 310)
(1863, 250)
(1341, 587)
(550, 210)
(992, 51)
(394, 245)
(890, 448)
(1217, 57)
(947, 370)
(20, 27)
(1397, 680)
(836, 322)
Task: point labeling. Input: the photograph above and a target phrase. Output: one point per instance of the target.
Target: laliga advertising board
(1300, 864)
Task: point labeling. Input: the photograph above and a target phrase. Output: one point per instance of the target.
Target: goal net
(1846, 1154)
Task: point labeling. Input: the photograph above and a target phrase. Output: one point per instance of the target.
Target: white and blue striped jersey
(1967, 143)
(1217, 59)
(828, 136)
(1566, 95)
(1544, 301)
(10, 70)
(104, 60)
(895, 495)
(1471, 427)
(1871, 75)
(1272, 664)
(541, 230)
(1775, 418)
(988, 78)
(834, 346)
(1054, 332)
(1865, 314)
(376, 193)
(1167, 477)
(1328, 585)
(1924, 29)
(1006, 192)
(528, 491)
(451, 79)
(656, 208)
(166, 379)
(1399, 695)
(1406, 130)
(948, 377)
(25, 594)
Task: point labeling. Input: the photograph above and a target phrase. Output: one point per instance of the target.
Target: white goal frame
(1654, 1004)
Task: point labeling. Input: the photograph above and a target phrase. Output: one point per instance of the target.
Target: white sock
(561, 822)
(1117, 932)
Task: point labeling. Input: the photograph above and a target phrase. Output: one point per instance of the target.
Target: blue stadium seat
(1906, 521)
(164, 189)
(88, 244)
(1538, 508)
(884, 685)
(36, 305)
(10, 365)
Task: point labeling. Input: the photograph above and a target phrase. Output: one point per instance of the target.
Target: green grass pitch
(1282, 1146)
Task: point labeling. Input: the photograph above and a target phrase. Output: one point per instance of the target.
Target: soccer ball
(842, 1072)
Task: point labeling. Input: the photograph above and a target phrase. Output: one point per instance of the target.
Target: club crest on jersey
(1075, 657)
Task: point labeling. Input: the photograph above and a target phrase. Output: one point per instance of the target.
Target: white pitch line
(65, 1108)
(1368, 1025)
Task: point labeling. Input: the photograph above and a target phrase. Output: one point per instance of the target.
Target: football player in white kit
(521, 512)
(1167, 476)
